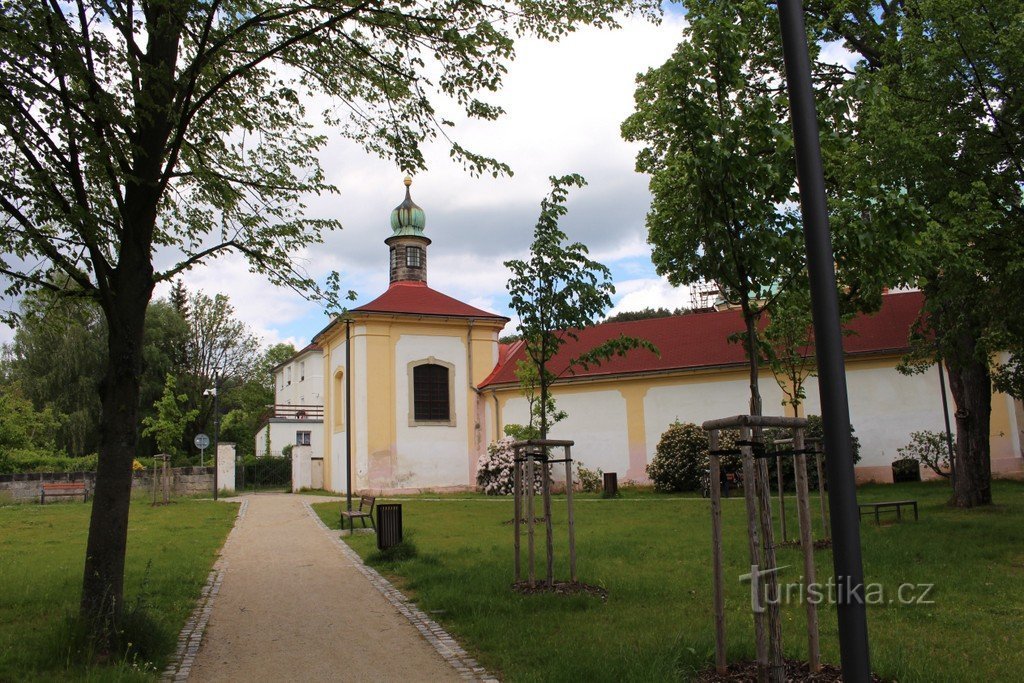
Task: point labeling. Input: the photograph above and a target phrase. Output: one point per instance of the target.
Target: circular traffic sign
(202, 441)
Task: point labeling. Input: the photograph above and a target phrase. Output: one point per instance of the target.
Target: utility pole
(835, 409)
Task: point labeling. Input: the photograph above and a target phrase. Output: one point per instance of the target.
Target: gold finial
(408, 181)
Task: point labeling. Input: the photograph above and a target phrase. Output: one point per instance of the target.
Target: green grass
(652, 554)
(42, 549)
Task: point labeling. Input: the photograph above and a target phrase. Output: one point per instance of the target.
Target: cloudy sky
(564, 104)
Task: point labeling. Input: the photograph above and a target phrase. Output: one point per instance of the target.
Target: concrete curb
(441, 640)
(191, 635)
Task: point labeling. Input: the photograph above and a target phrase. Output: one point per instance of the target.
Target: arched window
(431, 392)
(338, 401)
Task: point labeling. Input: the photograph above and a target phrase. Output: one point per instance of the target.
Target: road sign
(202, 441)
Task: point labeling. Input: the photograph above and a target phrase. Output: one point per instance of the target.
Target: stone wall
(25, 488)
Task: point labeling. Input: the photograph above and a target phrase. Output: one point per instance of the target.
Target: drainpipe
(497, 415)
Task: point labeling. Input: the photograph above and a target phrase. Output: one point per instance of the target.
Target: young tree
(941, 161)
(719, 152)
(181, 126)
(556, 293)
(171, 420)
(789, 346)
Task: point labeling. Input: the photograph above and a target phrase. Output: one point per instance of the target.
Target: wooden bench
(364, 512)
(63, 490)
(896, 505)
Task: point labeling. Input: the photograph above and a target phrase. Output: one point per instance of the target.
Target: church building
(416, 385)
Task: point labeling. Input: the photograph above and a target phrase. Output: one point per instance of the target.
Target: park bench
(364, 512)
(63, 490)
(896, 505)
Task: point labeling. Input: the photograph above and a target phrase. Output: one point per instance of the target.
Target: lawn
(652, 554)
(42, 549)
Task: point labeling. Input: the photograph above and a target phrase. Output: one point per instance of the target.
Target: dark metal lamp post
(835, 409)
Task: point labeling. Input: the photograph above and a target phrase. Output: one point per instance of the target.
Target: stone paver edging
(191, 635)
(441, 640)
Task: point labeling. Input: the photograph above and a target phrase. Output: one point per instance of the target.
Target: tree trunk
(103, 580)
(752, 356)
(971, 386)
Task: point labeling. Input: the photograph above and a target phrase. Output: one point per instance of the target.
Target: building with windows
(296, 417)
(415, 385)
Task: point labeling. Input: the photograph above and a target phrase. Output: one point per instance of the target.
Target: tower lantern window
(413, 257)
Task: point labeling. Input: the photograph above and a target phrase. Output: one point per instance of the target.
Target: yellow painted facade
(380, 457)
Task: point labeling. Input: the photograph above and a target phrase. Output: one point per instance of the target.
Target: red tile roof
(700, 340)
(418, 299)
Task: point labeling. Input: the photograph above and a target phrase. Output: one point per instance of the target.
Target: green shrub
(591, 480)
(681, 458)
(21, 460)
(929, 449)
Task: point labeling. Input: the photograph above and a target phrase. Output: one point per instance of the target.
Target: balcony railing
(294, 412)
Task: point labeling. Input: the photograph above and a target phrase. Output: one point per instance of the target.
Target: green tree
(789, 346)
(181, 126)
(719, 152)
(556, 293)
(168, 425)
(59, 360)
(22, 427)
(246, 404)
(941, 162)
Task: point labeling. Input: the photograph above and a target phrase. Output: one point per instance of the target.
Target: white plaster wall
(431, 455)
(304, 389)
(337, 362)
(283, 434)
(707, 400)
(885, 407)
(597, 423)
(226, 466)
(301, 474)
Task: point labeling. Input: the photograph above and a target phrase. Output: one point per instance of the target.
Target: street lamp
(835, 410)
(216, 426)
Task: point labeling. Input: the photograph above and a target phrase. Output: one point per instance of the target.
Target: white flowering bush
(494, 469)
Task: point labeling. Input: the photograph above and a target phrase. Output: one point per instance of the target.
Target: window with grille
(413, 257)
(394, 258)
(430, 393)
(302, 438)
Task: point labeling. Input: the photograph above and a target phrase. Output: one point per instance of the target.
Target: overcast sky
(564, 103)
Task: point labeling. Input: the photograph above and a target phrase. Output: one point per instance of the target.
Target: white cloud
(564, 102)
(636, 295)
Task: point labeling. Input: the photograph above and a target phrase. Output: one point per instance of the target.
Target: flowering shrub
(681, 458)
(494, 469)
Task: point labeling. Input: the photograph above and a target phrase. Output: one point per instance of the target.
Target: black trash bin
(389, 525)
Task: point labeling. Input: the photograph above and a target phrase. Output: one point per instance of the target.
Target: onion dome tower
(408, 244)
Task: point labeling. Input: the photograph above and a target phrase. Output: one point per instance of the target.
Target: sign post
(202, 442)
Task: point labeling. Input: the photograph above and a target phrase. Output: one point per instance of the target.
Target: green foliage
(929, 449)
(629, 316)
(22, 427)
(557, 292)
(681, 458)
(590, 480)
(172, 417)
(58, 357)
(789, 345)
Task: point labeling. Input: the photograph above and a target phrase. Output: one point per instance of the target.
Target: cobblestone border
(191, 635)
(441, 640)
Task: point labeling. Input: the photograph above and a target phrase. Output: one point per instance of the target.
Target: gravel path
(293, 606)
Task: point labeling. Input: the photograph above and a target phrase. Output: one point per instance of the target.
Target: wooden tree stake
(716, 554)
(803, 505)
(572, 517)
